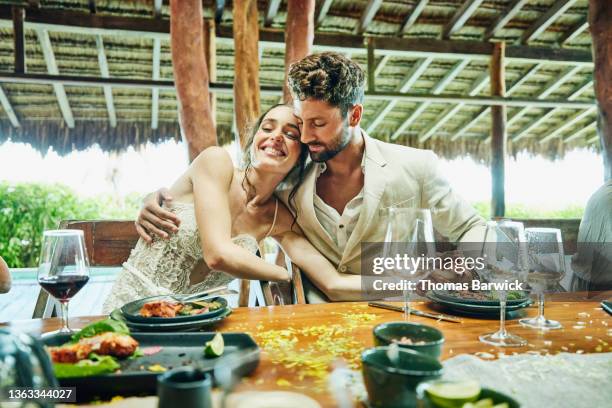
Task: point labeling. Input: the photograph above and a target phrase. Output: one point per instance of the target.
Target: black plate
(453, 297)
(474, 309)
(179, 349)
(131, 311)
(171, 327)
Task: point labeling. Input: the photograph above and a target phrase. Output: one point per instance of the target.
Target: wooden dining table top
(301, 343)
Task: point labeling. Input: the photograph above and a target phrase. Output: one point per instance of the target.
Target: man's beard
(328, 153)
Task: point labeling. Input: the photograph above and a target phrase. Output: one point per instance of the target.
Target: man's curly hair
(330, 77)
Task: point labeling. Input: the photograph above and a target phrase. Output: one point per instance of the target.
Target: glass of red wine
(64, 267)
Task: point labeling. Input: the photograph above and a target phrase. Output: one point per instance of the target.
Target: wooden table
(322, 332)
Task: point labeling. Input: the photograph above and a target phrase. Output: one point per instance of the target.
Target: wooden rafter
(567, 124)
(461, 16)
(325, 6)
(60, 92)
(381, 65)
(485, 111)
(536, 122)
(413, 75)
(546, 19)
(574, 32)
(591, 127)
(548, 89)
(155, 91)
(104, 72)
(437, 89)
(477, 86)
(157, 6)
(498, 132)
(504, 18)
(271, 12)
(413, 16)
(368, 15)
(8, 109)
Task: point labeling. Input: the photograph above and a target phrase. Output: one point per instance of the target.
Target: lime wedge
(214, 348)
(447, 394)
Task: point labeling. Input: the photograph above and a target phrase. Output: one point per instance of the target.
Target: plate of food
(189, 325)
(462, 394)
(475, 309)
(165, 310)
(482, 297)
(105, 359)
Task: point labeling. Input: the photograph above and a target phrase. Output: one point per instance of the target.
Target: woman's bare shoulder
(285, 221)
(215, 161)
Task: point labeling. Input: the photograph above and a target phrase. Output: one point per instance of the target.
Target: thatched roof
(41, 121)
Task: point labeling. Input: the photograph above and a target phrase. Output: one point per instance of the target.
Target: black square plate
(178, 349)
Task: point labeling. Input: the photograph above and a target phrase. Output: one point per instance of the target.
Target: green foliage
(26, 210)
(523, 211)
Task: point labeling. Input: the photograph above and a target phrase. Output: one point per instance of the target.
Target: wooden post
(191, 75)
(210, 53)
(371, 66)
(498, 132)
(600, 23)
(19, 39)
(299, 35)
(246, 65)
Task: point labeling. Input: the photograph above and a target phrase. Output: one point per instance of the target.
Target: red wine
(63, 287)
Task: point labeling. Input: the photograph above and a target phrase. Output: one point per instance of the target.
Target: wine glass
(504, 253)
(64, 267)
(546, 268)
(409, 233)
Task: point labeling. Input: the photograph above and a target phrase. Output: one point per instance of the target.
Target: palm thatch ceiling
(36, 113)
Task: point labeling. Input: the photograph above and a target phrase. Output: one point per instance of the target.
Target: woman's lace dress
(164, 266)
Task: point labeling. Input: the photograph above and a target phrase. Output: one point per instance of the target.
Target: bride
(224, 213)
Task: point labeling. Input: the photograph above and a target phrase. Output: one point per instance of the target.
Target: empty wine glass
(503, 250)
(64, 267)
(409, 232)
(546, 268)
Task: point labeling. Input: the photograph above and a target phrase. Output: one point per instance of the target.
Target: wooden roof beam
(413, 75)
(60, 92)
(546, 19)
(226, 88)
(508, 14)
(574, 32)
(325, 6)
(368, 15)
(18, 16)
(437, 89)
(485, 111)
(108, 92)
(582, 132)
(412, 17)
(461, 16)
(381, 65)
(445, 116)
(8, 109)
(548, 89)
(155, 91)
(573, 96)
(271, 12)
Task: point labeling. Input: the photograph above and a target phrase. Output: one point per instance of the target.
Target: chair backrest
(284, 293)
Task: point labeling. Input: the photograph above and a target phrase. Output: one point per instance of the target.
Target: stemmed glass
(410, 232)
(64, 267)
(546, 268)
(504, 253)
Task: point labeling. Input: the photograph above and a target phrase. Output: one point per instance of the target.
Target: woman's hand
(153, 219)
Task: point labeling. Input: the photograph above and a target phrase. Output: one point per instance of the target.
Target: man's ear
(354, 115)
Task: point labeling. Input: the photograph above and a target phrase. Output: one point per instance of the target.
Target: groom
(353, 176)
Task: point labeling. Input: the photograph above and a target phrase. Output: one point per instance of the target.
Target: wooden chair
(109, 243)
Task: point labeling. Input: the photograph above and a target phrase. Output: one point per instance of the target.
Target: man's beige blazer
(395, 175)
